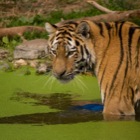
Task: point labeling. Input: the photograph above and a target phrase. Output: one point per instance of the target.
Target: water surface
(36, 107)
(69, 111)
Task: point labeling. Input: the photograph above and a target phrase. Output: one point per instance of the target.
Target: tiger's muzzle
(63, 76)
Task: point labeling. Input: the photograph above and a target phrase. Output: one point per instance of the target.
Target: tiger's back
(117, 49)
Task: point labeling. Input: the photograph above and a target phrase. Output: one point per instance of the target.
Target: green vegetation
(66, 1)
(53, 17)
(121, 5)
(10, 43)
(35, 34)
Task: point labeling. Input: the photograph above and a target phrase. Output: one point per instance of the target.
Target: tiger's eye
(70, 53)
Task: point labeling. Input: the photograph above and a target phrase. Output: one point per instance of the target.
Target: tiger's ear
(50, 28)
(83, 29)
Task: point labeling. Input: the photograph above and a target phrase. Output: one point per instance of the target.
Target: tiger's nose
(60, 74)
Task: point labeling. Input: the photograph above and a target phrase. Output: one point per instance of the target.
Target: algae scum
(36, 107)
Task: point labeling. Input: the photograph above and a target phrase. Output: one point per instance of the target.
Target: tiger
(111, 50)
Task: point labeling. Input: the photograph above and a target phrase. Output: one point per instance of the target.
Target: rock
(43, 68)
(32, 49)
(3, 53)
(33, 63)
(20, 62)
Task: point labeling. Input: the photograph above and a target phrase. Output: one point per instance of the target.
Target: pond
(39, 107)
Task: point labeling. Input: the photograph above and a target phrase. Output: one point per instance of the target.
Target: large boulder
(32, 49)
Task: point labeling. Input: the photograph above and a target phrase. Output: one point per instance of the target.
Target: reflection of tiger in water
(111, 50)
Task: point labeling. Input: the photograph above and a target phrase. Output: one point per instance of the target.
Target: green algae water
(38, 107)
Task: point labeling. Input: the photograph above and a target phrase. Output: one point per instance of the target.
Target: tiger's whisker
(51, 82)
(80, 84)
(48, 81)
(39, 79)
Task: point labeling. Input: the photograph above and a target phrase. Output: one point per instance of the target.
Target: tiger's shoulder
(101, 26)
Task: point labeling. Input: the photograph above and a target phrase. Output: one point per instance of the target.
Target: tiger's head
(68, 49)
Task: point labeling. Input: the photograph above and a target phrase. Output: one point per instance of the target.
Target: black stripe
(138, 51)
(88, 59)
(54, 26)
(107, 26)
(137, 28)
(131, 33)
(132, 97)
(77, 43)
(69, 43)
(58, 38)
(86, 50)
(69, 38)
(82, 52)
(101, 28)
(51, 40)
(121, 112)
(79, 39)
(105, 93)
(66, 32)
(116, 26)
(102, 76)
(121, 58)
(125, 73)
(137, 107)
(62, 32)
(71, 29)
(68, 27)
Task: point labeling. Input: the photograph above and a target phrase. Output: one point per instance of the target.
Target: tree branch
(110, 16)
(117, 16)
(99, 7)
(11, 31)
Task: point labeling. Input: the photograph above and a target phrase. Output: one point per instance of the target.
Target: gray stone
(19, 63)
(22, 62)
(41, 68)
(32, 49)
